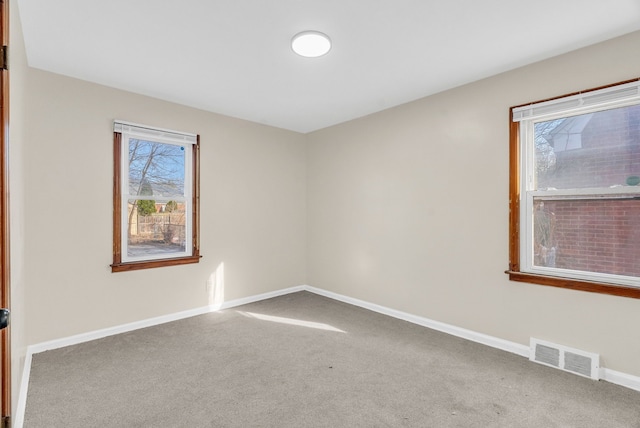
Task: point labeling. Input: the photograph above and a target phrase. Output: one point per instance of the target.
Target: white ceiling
(233, 56)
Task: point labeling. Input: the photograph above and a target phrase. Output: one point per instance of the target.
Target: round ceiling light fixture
(311, 44)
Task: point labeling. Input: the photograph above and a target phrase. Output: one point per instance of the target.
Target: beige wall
(408, 209)
(253, 190)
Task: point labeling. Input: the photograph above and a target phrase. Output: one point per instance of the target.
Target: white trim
(584, 102)
(617, 191)
(618, 96)
(126, 197)
(110, 331)
(612, 376)
(619, 378)
(146, 131)
(473, 336)
(257, 298)
(18, 419)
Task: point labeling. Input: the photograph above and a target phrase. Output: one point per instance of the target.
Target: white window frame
(190, 143)
(583, 103)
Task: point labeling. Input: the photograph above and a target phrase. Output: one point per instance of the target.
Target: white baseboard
(110, 331)
(612, 376)
(18, 418)
(618, 378)
(494, 342)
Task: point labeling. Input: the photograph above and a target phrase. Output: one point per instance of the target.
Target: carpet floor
(302, 360)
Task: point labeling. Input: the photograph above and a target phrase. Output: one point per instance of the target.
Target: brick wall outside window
(595, 235)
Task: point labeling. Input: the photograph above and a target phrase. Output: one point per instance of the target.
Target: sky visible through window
(156, 169)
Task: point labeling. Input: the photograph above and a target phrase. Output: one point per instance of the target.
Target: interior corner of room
(403, 210)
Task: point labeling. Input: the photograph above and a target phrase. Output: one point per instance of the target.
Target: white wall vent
(564, 358)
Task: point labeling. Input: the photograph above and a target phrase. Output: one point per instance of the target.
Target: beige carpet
(302, 360)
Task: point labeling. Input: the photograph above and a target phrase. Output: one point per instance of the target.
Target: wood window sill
(149, 264)
(575, 284)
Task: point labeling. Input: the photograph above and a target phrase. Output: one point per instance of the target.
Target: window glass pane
(592, 235)
(155, 228)
(599, 149)
(156, 169)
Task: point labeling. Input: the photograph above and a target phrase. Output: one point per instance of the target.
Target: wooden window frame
(120, 266)
(5, 259)
(514, 271)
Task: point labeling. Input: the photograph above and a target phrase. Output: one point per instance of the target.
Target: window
(575, 191)
(155, 197)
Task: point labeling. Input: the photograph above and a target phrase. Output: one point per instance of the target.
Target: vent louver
(564, 358)
(548, 355)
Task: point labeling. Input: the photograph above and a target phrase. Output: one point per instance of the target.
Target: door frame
(5, 339)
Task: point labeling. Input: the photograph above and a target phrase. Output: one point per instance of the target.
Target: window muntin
(575, 201)
(155, 190)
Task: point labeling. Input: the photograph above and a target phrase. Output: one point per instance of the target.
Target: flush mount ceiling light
(311, 44)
